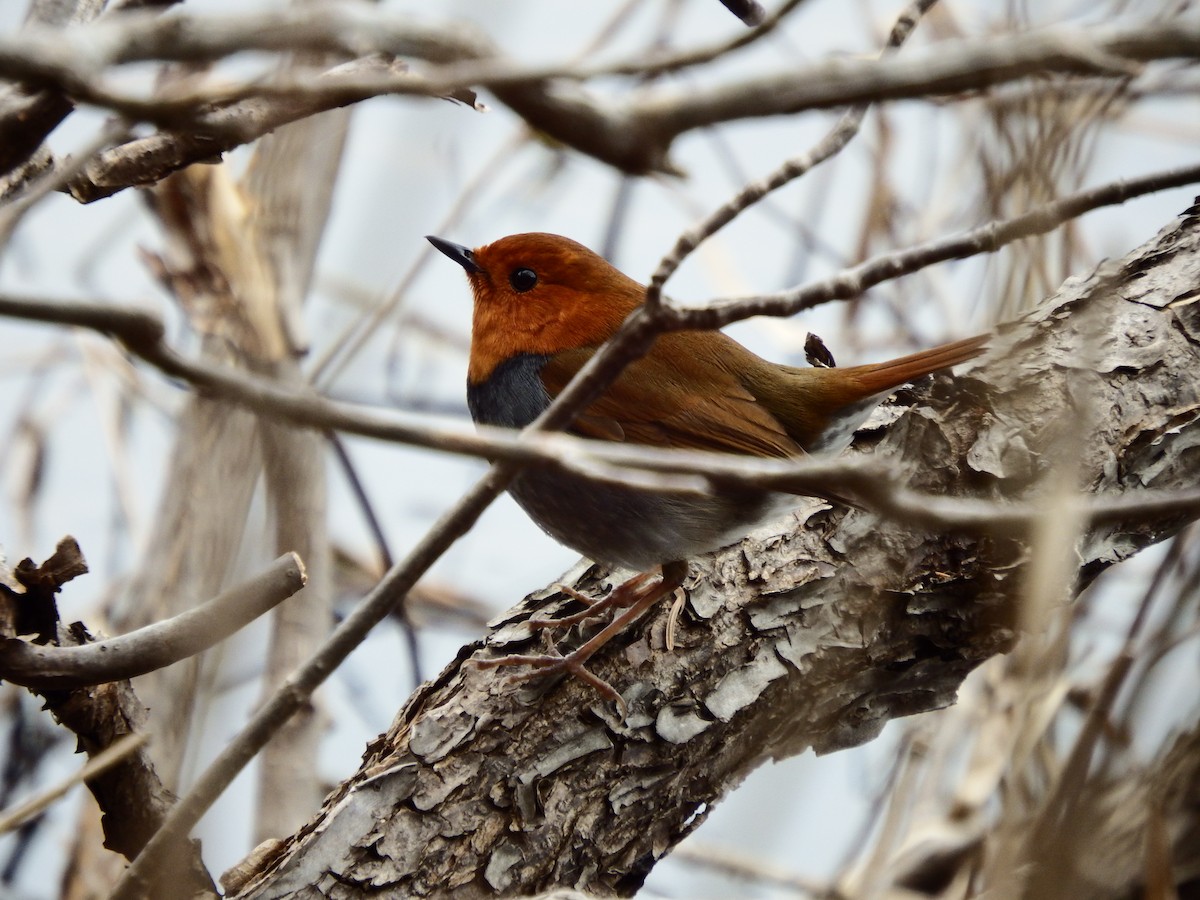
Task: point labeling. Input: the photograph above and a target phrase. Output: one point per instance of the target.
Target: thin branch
(75, 58)
(56, 177)
(987, 238)
(832, 144)
(97, 765)
(155, 646)
(404, 607)
(214, 130)
(141, 333)
(659, 65)
(723, 861)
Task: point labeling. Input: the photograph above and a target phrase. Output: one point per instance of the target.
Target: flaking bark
(812, 632)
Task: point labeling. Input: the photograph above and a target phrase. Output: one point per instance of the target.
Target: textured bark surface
(813, 632)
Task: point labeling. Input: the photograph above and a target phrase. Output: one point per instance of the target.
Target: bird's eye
(522, 280)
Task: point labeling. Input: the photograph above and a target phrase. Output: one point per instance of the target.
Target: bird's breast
(512, 396)
(638, 527)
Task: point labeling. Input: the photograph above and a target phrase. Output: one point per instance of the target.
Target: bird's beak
(457, 252)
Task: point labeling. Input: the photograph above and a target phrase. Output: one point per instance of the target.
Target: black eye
(522, 280)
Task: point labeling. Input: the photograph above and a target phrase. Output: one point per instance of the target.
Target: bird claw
(622, 596)
(577, 595)
(631, 598)
(545, 665)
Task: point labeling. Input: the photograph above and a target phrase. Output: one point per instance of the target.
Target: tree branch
(154, 646)
(634, 134)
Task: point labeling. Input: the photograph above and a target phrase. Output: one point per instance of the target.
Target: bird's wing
(677, 395)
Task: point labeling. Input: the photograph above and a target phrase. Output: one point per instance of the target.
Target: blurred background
(93, 446)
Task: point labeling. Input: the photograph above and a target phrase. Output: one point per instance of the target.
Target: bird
(543, 306)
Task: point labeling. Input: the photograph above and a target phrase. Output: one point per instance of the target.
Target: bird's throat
(512, 396)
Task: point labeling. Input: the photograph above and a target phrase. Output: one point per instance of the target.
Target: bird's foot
(623, 595)
(636, 600)
(546, 664)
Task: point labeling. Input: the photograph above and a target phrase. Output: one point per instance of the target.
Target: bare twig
(157, 645)
(404, 608)
(720, 860)
(97, 765)
(231, 124)
(57, 176)
(833, 143)
(656, 65)
(984, 239)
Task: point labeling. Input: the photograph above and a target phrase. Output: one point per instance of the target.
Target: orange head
(539, 294)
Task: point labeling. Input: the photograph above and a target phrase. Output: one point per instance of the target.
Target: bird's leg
(624, 594)
(673, 575)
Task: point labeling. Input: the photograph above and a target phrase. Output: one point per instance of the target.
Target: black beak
(457, 252)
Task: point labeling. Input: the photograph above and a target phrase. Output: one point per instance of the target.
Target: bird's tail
(874, 378)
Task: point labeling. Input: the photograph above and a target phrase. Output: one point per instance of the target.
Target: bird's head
(539, 294)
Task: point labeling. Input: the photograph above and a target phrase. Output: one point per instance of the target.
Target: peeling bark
(811, 633)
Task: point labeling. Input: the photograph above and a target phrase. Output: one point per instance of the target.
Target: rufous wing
(677, 395)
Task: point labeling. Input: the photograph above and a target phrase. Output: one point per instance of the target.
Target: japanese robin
(543, 306)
